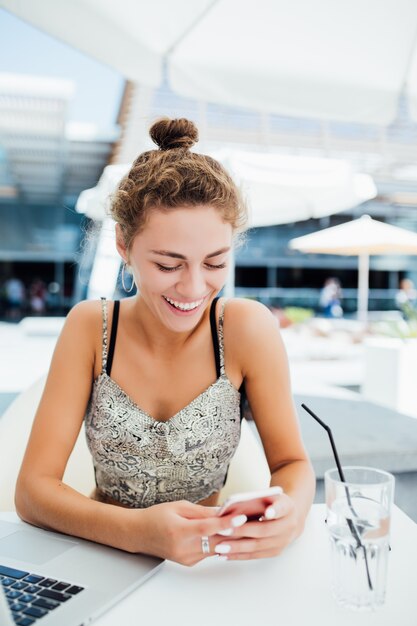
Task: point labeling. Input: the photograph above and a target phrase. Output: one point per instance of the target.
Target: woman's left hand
(262, 539)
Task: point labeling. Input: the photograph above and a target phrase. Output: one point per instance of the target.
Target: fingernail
(222, 548)
(226, 533)
(270, 513)
(221, 558)
(239, 520)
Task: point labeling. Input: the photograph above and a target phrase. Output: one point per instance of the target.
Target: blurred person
(406, 296)
(37, 297)
(15, 295)
(331, 297)
(2, 300)
(158, 378)
(53, 297)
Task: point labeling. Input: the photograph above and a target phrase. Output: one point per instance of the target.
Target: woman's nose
(192, 284)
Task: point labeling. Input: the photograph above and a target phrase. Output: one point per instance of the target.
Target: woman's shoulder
(249, 319)
(247, 310)
(87, 316)
(84, 327)
(85, 312)
(251, 333)
(80, 340)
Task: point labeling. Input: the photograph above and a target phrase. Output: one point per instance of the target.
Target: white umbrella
(362, 237)
(279, 189)
(346, 61)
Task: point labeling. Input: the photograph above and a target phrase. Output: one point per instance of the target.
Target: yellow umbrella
(361, 237)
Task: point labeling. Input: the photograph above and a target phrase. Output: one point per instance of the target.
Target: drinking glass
(358, 521)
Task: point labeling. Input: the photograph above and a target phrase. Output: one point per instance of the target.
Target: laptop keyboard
(31, 596)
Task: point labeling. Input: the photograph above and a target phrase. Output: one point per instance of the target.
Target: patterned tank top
(140, 461)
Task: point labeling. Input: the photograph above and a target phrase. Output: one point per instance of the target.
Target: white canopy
(361, 237)
(279, 189)
(345, 61)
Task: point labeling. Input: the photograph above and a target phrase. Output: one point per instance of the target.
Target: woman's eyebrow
(176, 255)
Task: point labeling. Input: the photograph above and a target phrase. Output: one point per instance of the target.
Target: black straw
(350, 523)
(329, 432)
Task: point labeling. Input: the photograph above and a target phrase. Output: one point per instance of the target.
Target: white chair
(248, 469)
(15, 426)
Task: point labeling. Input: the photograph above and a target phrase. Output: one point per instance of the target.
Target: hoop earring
(123, 279)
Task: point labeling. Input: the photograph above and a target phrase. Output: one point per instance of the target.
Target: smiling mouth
(184, 306)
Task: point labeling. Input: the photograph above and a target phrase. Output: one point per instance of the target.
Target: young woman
(162, 403)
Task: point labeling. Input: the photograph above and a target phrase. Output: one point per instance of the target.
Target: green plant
(298, 315)
(409, 311)
(400, 329)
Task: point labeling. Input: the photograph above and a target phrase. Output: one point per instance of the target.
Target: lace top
(140, 461)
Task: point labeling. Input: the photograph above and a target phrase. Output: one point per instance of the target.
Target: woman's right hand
(173, 530)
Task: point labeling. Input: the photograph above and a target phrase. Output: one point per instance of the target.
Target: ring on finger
(205, 545)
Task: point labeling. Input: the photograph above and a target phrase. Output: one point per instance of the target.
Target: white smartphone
(252, 503)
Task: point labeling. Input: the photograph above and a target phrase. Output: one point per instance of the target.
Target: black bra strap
(215, 336)
(244, 404)
(113, 336)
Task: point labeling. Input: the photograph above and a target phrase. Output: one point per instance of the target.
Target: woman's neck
(158, 338)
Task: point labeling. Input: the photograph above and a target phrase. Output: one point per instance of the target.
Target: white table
(290, 590)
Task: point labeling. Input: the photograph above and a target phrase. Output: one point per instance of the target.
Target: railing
(379, 299)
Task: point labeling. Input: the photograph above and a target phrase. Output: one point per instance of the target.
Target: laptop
(5, 612)
(51, 579)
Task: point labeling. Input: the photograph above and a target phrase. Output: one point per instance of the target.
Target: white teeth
(184, 306)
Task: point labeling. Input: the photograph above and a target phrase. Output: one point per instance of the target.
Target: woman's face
(180, 262)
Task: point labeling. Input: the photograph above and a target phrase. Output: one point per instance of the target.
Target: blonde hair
(172, 176)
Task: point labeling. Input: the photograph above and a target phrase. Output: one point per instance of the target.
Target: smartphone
(252, 503)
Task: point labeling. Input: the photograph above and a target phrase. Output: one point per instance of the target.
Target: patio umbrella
(361, 237)
(279, 189)
(345, 61)
(282, 189)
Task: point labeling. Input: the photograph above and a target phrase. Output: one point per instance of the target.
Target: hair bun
(170, 134)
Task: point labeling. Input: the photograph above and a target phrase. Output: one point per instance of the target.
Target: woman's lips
(181, 312)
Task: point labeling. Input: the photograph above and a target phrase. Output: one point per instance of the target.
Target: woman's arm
(41, 496)
(257, 344)
(171, 530)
